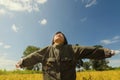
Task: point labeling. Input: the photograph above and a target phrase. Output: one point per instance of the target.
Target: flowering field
(99, 75)
(92, 75)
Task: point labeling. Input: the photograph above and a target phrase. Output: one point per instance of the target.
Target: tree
(87, 65)
(29, 50)
(99, 64)
(79, 63)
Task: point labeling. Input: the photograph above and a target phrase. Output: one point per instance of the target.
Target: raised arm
(32, 59)
(92, 52)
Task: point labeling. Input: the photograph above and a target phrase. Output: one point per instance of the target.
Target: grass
(86, 75)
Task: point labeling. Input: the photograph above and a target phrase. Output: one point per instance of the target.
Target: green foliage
(80, 61)
(4, 72)
(114, 68)
(25, 72)
(98, 46)
(29, 50)
(86, 65)
(99, 64)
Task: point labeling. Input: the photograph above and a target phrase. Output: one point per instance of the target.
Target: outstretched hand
(18, 64)
(113, 52)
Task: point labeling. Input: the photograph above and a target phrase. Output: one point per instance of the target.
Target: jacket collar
(58, 46)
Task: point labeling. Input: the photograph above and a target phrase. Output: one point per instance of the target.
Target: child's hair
(65, 40)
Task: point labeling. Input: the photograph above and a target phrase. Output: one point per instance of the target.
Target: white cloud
(1, 43)
(43, 22)
(116, 37)
(14, 28)
(2, 12)
(117, 51)
(83, 19)
(89, 3)
(6, 63)
(21, 5)
(110, 41)
(13, 5)
(7, 46)
(41, 1)
(106, 42)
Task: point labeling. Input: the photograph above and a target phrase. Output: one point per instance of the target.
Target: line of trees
(90, 64)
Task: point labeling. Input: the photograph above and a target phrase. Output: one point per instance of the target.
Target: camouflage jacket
(59, 62)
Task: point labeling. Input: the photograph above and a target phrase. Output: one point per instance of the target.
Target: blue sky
(33, 22)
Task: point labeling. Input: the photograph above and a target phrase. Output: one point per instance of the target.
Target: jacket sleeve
(33, 58)
(91, 52)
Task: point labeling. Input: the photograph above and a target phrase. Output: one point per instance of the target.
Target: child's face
(59, 38)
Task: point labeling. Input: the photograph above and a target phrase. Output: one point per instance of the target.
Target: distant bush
(19, 72)
(3, 72)
(25, 72)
